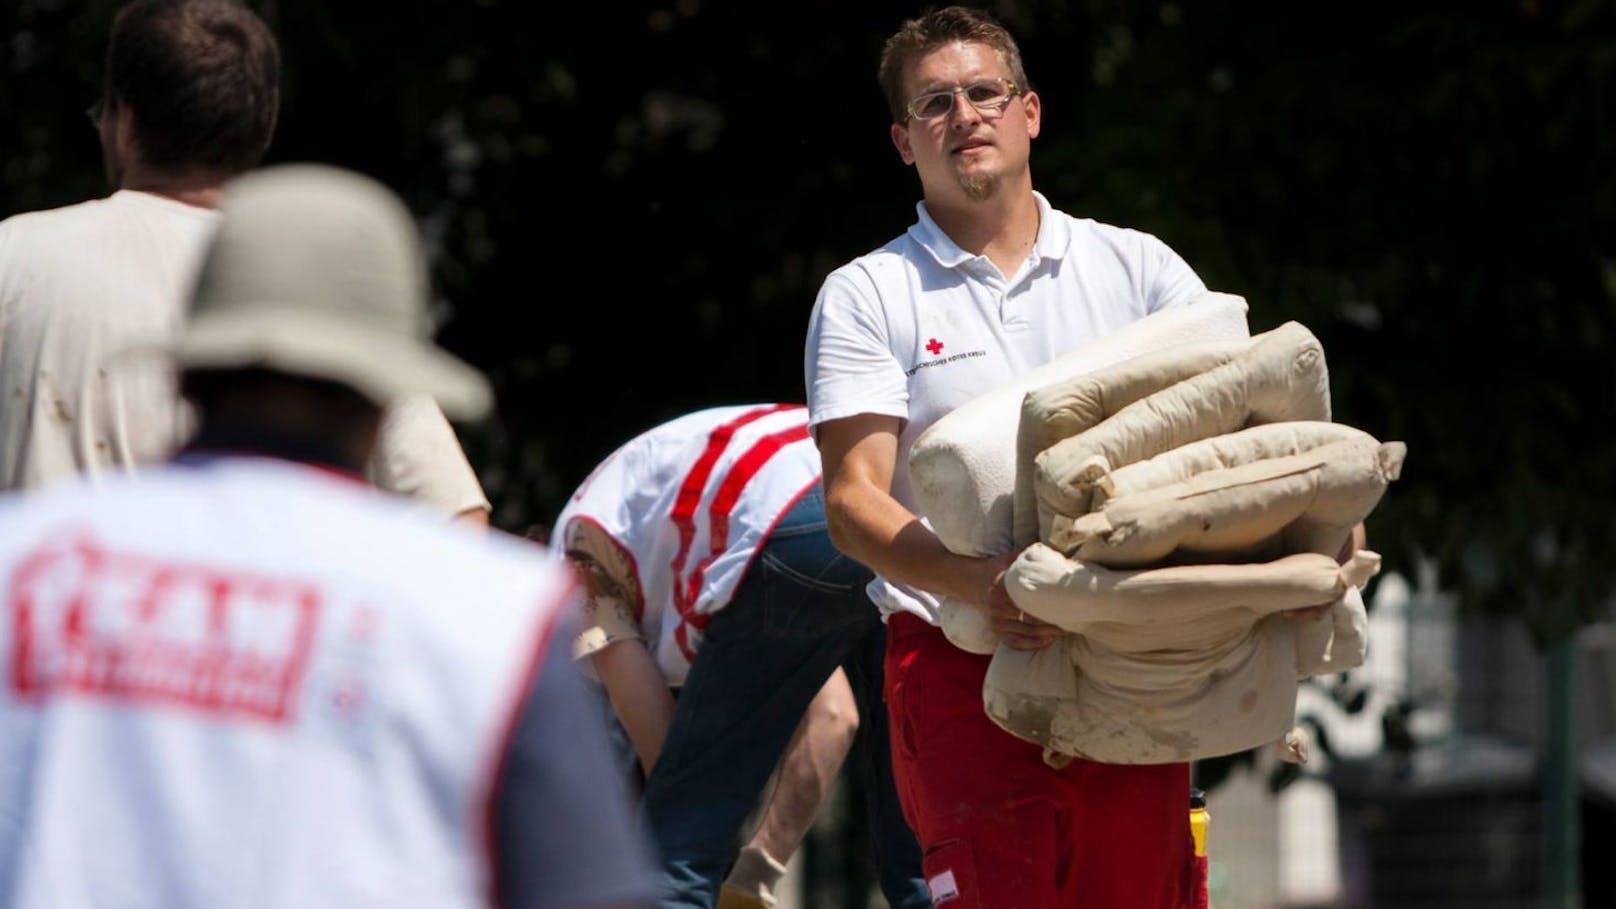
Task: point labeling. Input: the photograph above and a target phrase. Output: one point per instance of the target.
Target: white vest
(691, 501)
(253, 683)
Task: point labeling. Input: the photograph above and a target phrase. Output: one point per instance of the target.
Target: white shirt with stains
(84, 289)
(79, 287)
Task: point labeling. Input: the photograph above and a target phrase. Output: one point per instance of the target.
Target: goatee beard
(979, 187)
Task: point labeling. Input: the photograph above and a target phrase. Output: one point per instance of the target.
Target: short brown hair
(918, 37)
(202, 79)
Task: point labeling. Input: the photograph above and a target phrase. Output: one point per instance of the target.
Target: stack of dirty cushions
(1175, 486)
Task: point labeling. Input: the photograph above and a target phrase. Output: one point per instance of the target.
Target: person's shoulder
(902, 251)
(22, 508)
(79, 502)
(1097, 238)
(411, 535)
(345, 525)
(1100, 231)
(1111, 234)
(68, 228)
(44, 224)
(866, 275)
(414, 543)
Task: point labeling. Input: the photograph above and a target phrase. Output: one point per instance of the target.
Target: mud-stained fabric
(79, 286)
(1187, 497)
(1280, 377)
(967, 473)
(1305, 502)
(964, 468)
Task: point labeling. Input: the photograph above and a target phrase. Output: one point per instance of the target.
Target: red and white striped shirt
(691, 501)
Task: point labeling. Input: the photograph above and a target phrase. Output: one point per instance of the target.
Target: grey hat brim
(304, 341)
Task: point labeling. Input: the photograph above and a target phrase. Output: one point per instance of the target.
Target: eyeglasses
(990, 96)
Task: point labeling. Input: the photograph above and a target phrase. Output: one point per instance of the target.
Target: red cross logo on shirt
(935, 346)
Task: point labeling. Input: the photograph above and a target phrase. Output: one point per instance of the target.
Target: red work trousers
(1000, 828)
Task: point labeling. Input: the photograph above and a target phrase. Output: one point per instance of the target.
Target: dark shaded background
(632, 205)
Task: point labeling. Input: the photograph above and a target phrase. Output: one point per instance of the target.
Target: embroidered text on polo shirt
(936, 348)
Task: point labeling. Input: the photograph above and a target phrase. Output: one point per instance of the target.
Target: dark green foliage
(633, 205)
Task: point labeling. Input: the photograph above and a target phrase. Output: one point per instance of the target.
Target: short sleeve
(849, 365)
(418, 456)
(1168, 280)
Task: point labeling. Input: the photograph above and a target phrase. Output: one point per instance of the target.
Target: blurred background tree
(632, 204)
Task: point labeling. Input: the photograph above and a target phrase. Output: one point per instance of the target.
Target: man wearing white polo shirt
(988, 284)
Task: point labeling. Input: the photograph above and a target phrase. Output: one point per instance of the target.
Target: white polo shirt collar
(1054, 237)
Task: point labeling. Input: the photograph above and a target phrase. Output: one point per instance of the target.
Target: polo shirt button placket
(1010, 320)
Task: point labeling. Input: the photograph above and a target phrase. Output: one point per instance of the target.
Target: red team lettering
(128, 626)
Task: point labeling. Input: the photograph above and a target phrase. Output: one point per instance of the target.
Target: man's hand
(1355, 541)
(1019, 630)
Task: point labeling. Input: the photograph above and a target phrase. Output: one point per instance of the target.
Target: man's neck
(201, 188)
(242, 437)
(1003, 228)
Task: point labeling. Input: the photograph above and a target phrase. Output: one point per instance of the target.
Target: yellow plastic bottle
(1200, 819)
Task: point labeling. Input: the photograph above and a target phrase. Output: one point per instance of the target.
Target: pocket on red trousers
(950, 870)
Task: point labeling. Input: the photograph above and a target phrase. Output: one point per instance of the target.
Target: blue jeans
(800, 612)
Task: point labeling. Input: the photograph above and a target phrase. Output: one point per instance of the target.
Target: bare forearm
(874, 528)
(860, 454)
(808, 768)
(639, 696)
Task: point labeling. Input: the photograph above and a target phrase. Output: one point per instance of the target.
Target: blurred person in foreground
(990, 282)
(190, 99)
(709, 572)
(247, 679)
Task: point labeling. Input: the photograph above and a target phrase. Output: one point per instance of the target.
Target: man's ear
(900, 141)
(1035, 113)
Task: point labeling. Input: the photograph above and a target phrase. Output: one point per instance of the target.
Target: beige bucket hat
(318, 271)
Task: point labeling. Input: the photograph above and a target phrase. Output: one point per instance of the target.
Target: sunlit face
(969, 153)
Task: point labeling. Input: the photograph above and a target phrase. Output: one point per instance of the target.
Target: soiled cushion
(1257, 443)
(963, 468)
(966, 627)
(1336, 645)
(1280, 377)
(1032, 693)
(1186, 659)
(1171, 664)
(1065, 409)
(1233, 510)
(1146, 608)
(1246, 698)
(1305, 502)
